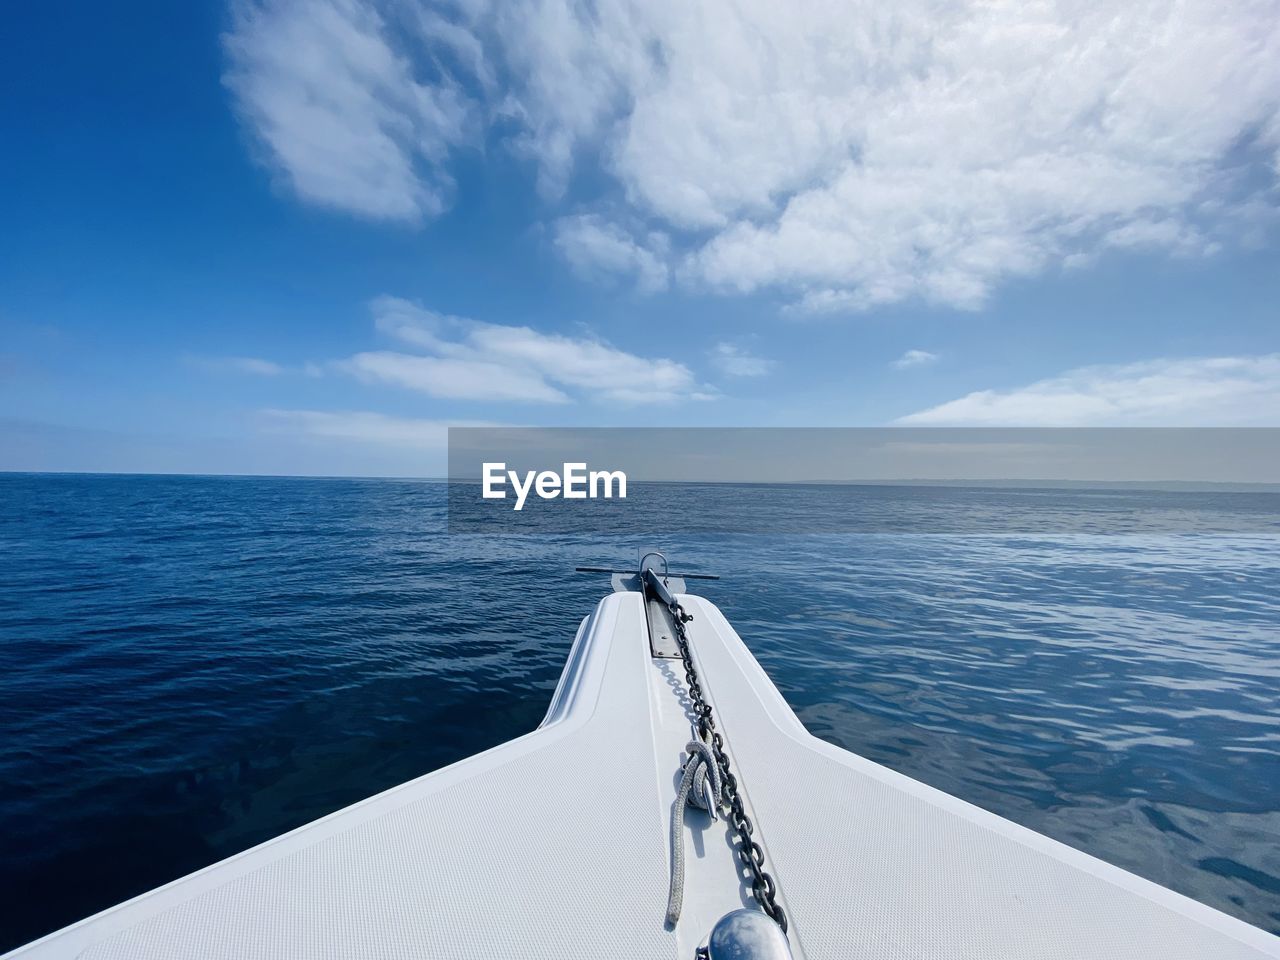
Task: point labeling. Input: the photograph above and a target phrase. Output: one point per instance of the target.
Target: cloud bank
(1205, 392)
(363, 427)
(842, 156)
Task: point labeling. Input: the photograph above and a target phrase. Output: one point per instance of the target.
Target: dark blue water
(189, 666)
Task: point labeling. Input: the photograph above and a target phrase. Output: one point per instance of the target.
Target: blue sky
(292, 237)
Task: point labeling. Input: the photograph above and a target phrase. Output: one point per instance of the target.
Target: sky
(276, 236)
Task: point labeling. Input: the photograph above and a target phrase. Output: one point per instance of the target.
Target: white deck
(555, 845)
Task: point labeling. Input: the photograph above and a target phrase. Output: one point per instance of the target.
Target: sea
(192, 665)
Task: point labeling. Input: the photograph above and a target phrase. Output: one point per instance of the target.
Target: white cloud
(365, 427)
(847, 155)
(596, 248)
(468, 360)
(915, 358)
(454, 379)
(732, 360)
(339, 111)
(267, 368)
(1216, 391)
(253, 365)
(409, 323)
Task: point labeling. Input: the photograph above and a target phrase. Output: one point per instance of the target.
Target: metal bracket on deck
(662, 632)
(659, 596)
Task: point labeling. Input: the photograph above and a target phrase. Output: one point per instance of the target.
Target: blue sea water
(192, 665)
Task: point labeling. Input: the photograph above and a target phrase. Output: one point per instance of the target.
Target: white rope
(699, 787)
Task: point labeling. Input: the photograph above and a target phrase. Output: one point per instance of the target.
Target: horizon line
(1206, 486)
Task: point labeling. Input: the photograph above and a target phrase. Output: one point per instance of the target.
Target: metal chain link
(763, 887)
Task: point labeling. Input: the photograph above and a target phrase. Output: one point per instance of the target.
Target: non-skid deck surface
(555, 845)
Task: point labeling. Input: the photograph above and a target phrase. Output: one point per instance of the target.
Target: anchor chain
(750, 853)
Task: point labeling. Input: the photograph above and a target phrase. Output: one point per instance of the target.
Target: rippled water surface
(189, 666)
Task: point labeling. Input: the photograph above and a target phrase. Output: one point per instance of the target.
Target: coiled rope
(700, 786)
